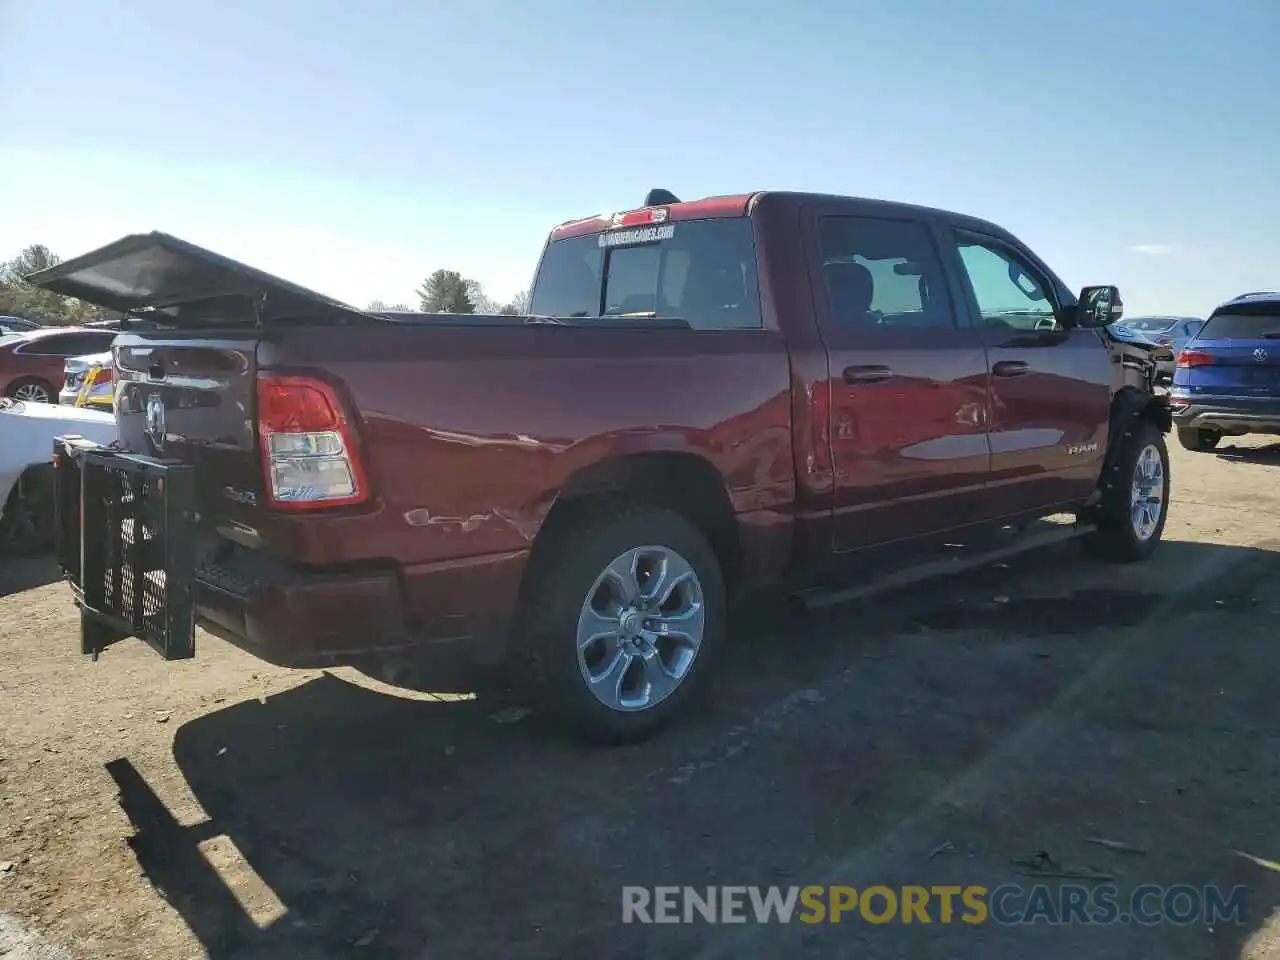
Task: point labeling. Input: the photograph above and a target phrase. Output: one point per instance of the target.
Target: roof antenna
(659, 197)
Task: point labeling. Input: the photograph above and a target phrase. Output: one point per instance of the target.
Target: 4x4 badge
(1259, 356)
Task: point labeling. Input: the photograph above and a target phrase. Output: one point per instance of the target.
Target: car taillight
(1195, 358)
(310, 454)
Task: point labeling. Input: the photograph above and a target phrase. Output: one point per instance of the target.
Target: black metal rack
(125, 527)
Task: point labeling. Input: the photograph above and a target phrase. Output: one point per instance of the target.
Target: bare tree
(517, 305)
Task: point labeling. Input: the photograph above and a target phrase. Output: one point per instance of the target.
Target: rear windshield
(1150, 324)
(1242, 326)
(699, 271)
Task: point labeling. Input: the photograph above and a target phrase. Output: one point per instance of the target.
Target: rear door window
(699, 271)
(1241, 326)
(882, 274)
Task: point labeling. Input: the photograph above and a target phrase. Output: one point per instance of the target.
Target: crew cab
(708, 396)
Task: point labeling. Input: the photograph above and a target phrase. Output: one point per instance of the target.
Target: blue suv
(1227, 378)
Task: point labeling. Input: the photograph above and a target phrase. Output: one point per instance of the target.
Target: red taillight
(295, 405)
(310, 453)
(1194, 358)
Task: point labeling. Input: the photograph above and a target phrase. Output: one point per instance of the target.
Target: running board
(819, 597)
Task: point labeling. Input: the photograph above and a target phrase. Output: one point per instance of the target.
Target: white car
(27, 432)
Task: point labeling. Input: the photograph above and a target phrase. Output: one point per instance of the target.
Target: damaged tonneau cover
(157, 273)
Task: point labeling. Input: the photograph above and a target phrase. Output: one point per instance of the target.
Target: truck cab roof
(744, 204)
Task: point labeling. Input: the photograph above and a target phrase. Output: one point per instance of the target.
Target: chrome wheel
(640, 628)
(1146, 501)
(32, 393)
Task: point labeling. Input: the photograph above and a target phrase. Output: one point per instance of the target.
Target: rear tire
(1135, 497)
(1194, 438)
(32, 390)
(649, 660)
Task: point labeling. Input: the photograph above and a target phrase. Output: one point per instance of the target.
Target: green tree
(18, 298)
(446, 291)
(33, 258)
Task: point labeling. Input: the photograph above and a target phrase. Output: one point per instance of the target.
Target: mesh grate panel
(136, 534)
(66, 510)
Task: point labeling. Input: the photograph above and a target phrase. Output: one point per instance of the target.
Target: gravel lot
(225, 808)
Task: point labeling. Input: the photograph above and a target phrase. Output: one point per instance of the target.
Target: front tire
(626, 614)
(1194, 438)
(1135, 498)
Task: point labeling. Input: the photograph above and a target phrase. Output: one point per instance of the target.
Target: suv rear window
(1241, 326)
(699, 271)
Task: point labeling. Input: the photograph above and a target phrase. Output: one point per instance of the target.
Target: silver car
(88, 381)
(1171, 332)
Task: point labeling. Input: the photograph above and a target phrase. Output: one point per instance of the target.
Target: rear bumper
(128, 537)
(1227, 414)
(300, 619)
(309, 619)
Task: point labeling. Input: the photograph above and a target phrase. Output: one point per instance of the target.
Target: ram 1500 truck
(707, 396)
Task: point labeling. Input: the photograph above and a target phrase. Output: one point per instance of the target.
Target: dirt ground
(224, 808)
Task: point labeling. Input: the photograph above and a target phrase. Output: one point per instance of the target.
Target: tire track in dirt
(909, 840)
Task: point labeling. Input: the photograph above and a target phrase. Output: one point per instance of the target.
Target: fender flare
(1127, 406)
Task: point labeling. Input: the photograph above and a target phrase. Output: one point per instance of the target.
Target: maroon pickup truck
(707, 396)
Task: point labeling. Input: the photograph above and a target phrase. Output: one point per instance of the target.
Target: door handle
(1009, 368)
(872, 373)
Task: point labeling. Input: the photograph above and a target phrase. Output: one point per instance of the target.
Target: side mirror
(1098, 307)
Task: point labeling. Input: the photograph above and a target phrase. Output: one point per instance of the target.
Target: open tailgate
(159, 273)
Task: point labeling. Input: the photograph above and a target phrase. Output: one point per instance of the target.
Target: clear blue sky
(355, 148)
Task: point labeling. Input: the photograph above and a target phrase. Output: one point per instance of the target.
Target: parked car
(707, 397)
(27, 431)
(1144, 358)
(17, 325)
(32, 363)
(1227, 381)
(119, 324)
(1170, 332)
(88, 381)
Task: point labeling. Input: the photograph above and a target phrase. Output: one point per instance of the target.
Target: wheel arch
(17, 382)
(1130, 405)
(681, 481)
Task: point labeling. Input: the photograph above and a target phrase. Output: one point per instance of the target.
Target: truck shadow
(395, 827)
(27, 573)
